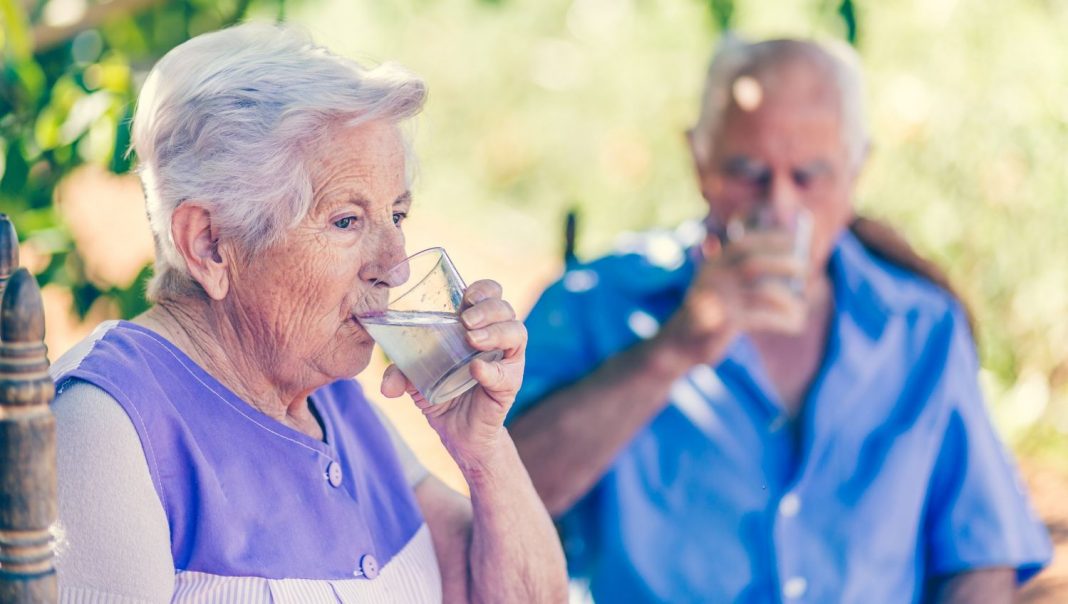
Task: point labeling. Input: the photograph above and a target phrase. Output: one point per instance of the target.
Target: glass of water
(762, 217)
(419, 327)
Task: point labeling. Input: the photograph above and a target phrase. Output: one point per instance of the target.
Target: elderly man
(722, 418)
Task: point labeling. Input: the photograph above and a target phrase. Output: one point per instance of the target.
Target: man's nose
(783, 196)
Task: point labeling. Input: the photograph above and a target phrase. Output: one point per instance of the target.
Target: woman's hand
(472, 425)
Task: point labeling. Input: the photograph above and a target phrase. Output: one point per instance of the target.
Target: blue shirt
(891, 474)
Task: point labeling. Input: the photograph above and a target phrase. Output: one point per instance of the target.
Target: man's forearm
(515, 555)
(568, 440)
(982, 586)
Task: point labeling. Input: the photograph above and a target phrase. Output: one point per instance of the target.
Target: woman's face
(297, 300)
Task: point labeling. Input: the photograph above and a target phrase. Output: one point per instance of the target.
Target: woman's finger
(394, 383)
(509, 336)
(495, 379)
(486, 312)
(481, 290)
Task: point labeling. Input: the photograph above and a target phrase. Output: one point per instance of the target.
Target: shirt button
(333, 474)
(789, 505)
(794, 587)
(368, 566)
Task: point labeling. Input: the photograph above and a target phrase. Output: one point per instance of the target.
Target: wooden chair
(27, 436)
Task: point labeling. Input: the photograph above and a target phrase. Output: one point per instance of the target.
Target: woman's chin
(356, 359)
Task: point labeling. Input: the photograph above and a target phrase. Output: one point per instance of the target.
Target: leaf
(120, 155)
(32, 78)
(848, 12)
(131, 300)
(722, 13)
(15, 170)
(17, 41)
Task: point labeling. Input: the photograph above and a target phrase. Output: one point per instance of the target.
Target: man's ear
(862, 161)
(699, 161)
(197, 241)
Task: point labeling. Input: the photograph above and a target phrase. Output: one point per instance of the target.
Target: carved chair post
(27, 436)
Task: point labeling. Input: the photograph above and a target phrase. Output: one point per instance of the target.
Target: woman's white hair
(736, 57)
(229, 118)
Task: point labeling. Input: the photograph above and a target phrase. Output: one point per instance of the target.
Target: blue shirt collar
(861, 312)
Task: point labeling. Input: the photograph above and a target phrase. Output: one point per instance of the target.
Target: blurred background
(538, 109)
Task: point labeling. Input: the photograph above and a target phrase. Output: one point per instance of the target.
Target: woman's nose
(386, 257)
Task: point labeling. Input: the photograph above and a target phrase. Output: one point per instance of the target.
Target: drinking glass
(419, 327)
(763, 217)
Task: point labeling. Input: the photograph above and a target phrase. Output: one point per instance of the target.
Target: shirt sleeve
(113, 539)
(978, 510)
(414, 472)
(559, 350)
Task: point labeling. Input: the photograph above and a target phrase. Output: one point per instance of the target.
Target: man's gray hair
(229, 119)
(736, 57)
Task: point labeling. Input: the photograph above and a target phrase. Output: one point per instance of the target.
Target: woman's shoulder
(73, 358)
(108, 505)
(117, 351)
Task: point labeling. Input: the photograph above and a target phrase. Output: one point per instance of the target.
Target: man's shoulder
(640, 264)
(896, 289)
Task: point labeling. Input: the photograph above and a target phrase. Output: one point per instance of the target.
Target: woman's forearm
(515, 554)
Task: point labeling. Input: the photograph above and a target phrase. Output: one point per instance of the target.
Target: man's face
(783, 148)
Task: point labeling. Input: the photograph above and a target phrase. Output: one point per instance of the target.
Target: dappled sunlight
(106, 217)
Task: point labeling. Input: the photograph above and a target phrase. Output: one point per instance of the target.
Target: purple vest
(245, 495)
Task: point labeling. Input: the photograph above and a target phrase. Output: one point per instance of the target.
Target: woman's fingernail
(476, 297)
(472, 317)
(478, 335)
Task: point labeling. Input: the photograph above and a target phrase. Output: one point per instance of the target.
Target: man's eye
(345, 222)
(746, 172)
(398, 217)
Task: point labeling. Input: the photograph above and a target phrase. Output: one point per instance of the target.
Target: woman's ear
(197, 241)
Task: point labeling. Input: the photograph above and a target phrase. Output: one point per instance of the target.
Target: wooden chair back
(27, 436)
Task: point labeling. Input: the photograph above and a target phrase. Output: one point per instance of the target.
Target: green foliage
(722, 13)
(848, 12)
(540, 107)
(70, 105)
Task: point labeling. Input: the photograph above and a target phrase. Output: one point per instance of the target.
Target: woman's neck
(208, 336)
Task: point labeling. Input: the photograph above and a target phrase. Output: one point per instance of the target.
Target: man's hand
(743, 286)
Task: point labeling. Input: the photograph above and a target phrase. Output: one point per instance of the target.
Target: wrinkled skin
(298, 300)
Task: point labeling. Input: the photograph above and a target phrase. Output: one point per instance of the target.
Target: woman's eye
(398, 217)
(345, 222)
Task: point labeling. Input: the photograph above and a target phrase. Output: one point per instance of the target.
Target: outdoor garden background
(538, 108)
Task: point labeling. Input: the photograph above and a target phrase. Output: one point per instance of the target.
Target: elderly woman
(216, 448)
